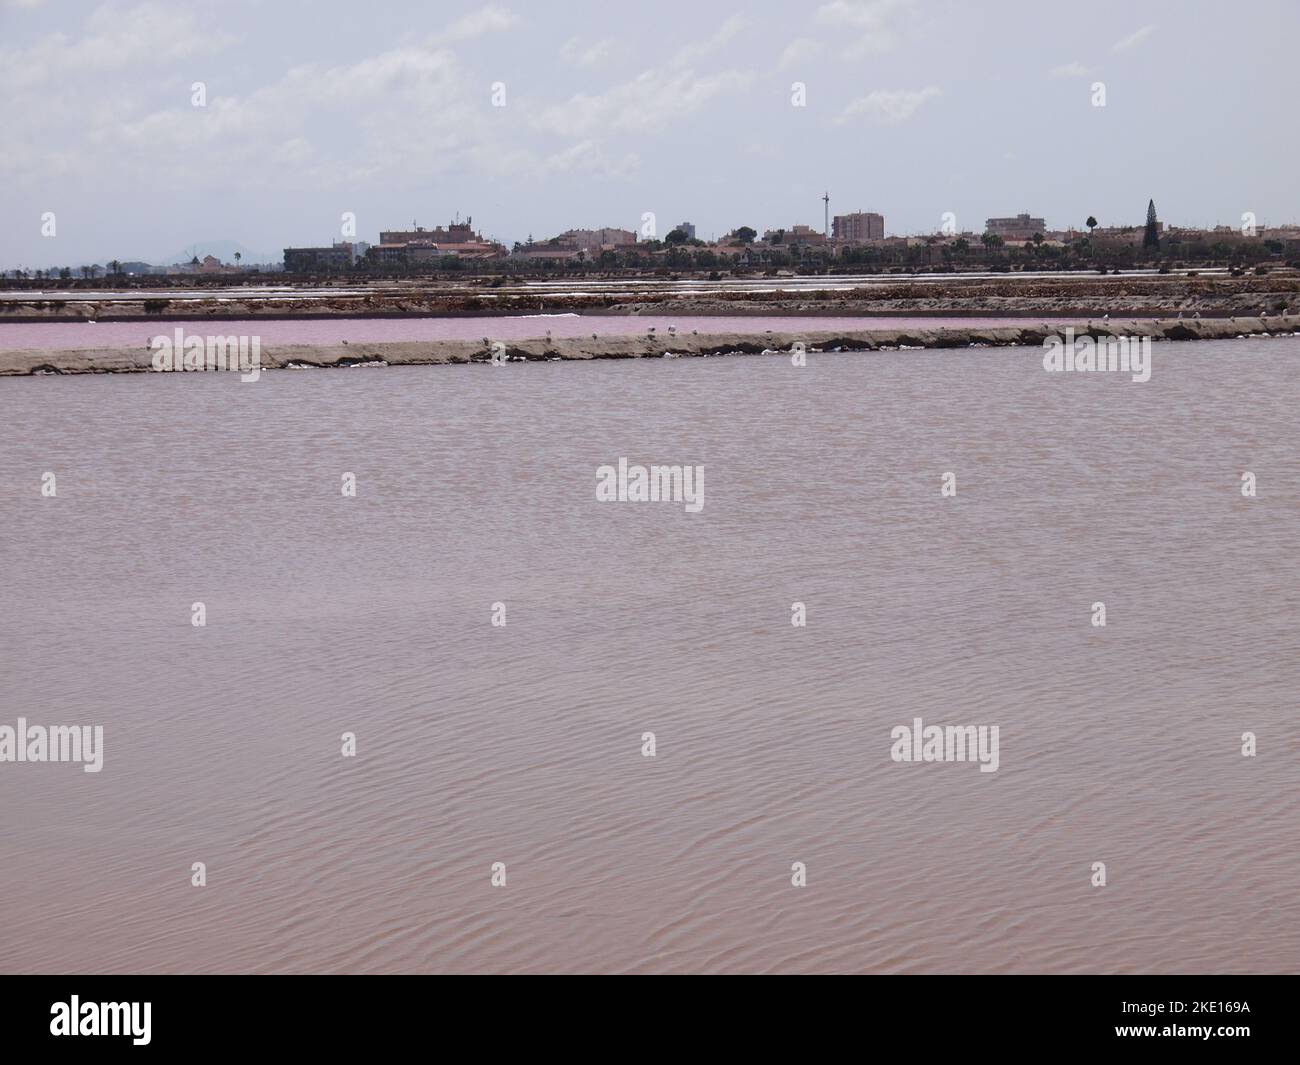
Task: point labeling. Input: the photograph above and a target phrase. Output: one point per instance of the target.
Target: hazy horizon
(914, 108)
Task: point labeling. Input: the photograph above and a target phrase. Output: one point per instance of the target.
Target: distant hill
(223, 250)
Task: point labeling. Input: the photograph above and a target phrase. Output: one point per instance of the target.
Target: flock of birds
(672, 329)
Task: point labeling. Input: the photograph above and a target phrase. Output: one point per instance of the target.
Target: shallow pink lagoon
(522, 744)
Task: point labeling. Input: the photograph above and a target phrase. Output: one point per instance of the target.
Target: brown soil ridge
(1124, 296)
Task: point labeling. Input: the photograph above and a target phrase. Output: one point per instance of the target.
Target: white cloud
(113, 39)
(694, 52)
(333, 125)
(1133, 39)
(51, 134)
(800, 50)
(1070, 70)
(596, 54)
(589, 157)
(871, 22)
(654, 99)
(889, 106)
(491, 19)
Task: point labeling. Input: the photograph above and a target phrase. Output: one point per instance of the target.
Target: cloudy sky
(688, 110)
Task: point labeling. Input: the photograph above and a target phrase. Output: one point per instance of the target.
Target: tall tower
(826, 201)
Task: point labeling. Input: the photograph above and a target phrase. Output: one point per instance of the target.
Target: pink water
(522, 744)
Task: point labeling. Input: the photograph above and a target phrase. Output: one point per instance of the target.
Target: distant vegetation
(678, 255)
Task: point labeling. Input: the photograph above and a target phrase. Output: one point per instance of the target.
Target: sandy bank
(21, 362)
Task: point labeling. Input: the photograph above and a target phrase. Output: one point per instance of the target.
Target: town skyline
(1018, 227)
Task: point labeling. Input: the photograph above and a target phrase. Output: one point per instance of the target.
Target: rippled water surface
(522, 744)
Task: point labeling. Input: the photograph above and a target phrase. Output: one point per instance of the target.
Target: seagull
(1180, 316)
(1105, 317)
(1197, 314)
(672, 329)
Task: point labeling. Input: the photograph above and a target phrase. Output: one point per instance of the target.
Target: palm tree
(237, 258)
(1091, 224)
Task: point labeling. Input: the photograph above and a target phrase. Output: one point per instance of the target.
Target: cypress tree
(1151, 238)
